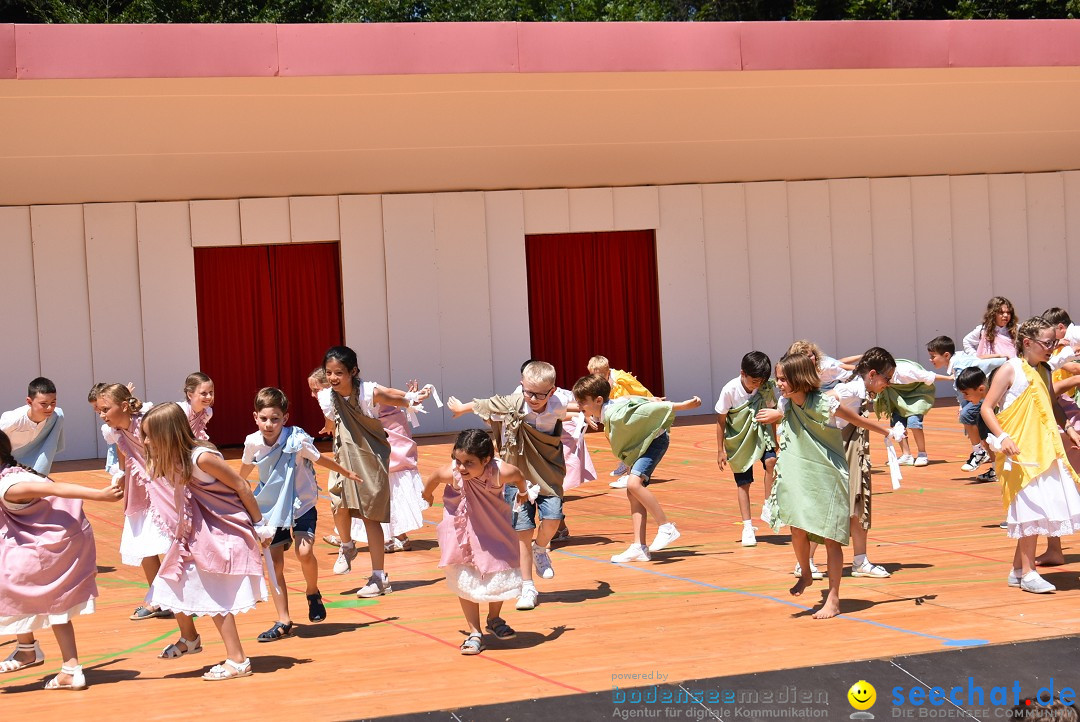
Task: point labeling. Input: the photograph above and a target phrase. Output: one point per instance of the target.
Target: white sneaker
(620, 470)
(814, 573)
(869, 570)
(620, 483)
(542, 562)
(767, 511)
(1032, 582)
(343, 563)
(906, 460)
(666, 534)
(921, 460)
(376, 587)
(636, 553)
(527, 598)
(1014, 577)
(748, 537)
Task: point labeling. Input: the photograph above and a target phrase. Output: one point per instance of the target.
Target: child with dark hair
(477, 543)
(741, 440)
(198, 403)
(943, 355)
(361, 445)
(637, 429)
(36, 430)
(995, 337)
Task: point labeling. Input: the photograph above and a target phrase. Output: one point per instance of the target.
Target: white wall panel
(1008, 241)
(363, 284)
(770, 265)
(931, 234)
(1047, 258)
(729, 285)
(63, 312)
(591, 209)
(507, 283)
(1072, 239)
(680, 260)
(464, 308)
(314, 218)
(20, 361)
(636, 209)
(169, 312)
(264, 221)
(215, 223)
(973, 283)
(853, 266)
(547, 211)
(412, 303)
(112, 254)
(894, 271)
(810, 239)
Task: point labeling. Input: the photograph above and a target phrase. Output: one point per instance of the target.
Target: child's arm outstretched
(457, 408)
(851, 417)
(691, 403)
(397, 397)
(512, 476)
(327, 462)
(442, 476)
(1003, 378)
(216, 467)
(24, 492)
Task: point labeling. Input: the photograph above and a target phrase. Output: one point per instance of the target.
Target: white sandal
(78, 681)
(13, 665)
(191, 646)
(228, 670)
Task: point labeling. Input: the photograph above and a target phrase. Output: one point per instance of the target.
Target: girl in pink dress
(995, 337)
(48, 564)
(479, 547)
(214, 565)
(142, 542)
(199, 403)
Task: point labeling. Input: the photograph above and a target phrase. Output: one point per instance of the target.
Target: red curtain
(595, 293)
(266, 316)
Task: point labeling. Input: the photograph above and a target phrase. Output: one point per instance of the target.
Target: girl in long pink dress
(48, 564)
(142, 542)
(214, 565)
(478, 545)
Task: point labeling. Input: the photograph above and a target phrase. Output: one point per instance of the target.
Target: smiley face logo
(862, 695)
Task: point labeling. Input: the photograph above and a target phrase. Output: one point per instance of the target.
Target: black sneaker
(977, 459)
(987, 476)
(316, 610)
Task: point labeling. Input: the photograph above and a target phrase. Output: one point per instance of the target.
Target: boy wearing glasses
(528, 426)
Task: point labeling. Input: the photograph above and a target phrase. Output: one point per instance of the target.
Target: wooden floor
(707, 607)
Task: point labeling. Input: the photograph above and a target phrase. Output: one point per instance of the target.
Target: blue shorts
(910, 422)
(524, 519)
(647, 462)
(303, 526)
(970, 415)
(742, 478)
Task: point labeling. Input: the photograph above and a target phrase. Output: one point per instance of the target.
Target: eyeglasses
(537, 395)
(1048, 345)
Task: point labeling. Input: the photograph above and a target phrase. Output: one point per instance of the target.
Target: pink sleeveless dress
(406, 487)
(48, 562)
(214, 564)
(478, 546)
(141, 537)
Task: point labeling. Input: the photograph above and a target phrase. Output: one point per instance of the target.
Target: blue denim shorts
(910, 422)
(303, 526)
(742, 478)
(524, 519)
(970, 415)
(647, 462)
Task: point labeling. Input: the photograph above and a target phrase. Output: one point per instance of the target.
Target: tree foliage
(383, 11)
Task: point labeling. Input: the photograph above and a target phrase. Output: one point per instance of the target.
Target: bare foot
(1050, 559)
(800, 586)
(829, 609)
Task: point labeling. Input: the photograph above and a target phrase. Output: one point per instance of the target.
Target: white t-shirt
(851, 396)
(19, 428)
(11, 480)
(733, 395)
(256, 448)
(1072, 335)
(832, 370)
(907, 373)
(367, 400)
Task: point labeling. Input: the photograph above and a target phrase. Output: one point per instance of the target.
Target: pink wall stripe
(7, 52)
(628, 47)
(397, 49)
(165, 51)
(145, 51)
